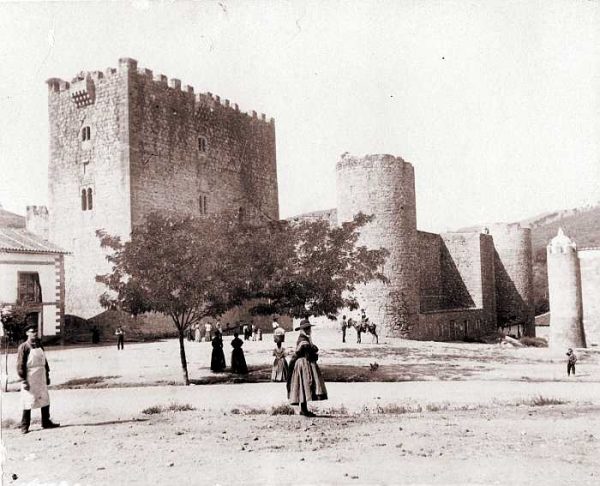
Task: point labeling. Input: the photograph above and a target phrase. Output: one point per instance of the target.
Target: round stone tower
(514, 276)
(384, 186)
(564, 286)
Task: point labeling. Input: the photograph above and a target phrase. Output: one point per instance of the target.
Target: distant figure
(219, 326)
(95, 335)
(208, 331)
(120, 337)
(280, 366)
(238, 362)
(246, 331)
(572, 359)
(254, 331)
(358, 329)
(305, 380)
(372, 328)
(217, 362)
(344, 326)
(259, 332)
(34, 372)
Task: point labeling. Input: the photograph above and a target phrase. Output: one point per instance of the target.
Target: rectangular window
(202, 144)
(29, 290)
(203, 204)
(85, 133)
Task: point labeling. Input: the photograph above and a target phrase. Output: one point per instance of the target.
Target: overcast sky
(495, 103)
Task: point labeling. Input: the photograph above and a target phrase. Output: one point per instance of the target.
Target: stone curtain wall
(454, 325)
(384, 185)
(100, 163)
(170, 171)
(430, 272)
(514, 276)
(589, 261)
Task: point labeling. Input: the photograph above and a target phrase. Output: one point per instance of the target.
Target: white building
(32, 274)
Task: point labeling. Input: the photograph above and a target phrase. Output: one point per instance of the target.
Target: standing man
(33, 369)
(120, 337)
(344, 327)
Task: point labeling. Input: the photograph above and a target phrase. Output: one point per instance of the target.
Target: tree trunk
(183, 360)
(6, 364)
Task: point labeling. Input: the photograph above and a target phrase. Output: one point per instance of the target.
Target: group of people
(238, 361)
(360, 326)
(302, 374)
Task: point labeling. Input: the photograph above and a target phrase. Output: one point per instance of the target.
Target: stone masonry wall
(430, 272)
(98, 101)
(235, 171)
(384, 185)
(514, 275)
(132, 139)
(564, 291)
(589, 261)
(454, 325)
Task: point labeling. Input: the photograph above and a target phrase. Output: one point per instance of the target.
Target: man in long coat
(34, 372)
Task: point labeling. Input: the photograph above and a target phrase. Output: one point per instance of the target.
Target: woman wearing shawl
(305, 380)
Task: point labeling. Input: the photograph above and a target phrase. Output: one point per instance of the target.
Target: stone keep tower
(125, 143)
(384, 185)
(564, 286)
(514, 275)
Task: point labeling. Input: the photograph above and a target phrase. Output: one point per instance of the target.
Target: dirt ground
(432, 413)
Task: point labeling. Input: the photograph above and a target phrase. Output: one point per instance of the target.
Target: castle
(441, 286)
(126, 142)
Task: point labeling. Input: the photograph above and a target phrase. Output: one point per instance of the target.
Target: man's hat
(31, 327)
(304, 324)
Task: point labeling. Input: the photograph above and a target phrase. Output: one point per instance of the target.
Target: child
(571, 362)
(280, 366)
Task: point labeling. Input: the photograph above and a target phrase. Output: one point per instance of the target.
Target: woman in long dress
(217, 362)
(305, 382)
(238, 362)
(280, 366)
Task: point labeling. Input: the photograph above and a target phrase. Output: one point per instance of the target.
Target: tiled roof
(22, 241)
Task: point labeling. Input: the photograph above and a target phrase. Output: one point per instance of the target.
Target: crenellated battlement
(82, 88)
(37, 211)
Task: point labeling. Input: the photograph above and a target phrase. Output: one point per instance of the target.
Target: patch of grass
(89, 382)
(397, 409)
(541, 401)
(283, 409)
(153, 410)
(437, 407)
(341, 410)
(255, 411)
(536, 342)
(179, 407)
(171, 407)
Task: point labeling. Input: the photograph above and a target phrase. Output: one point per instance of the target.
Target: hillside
(582, 225)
